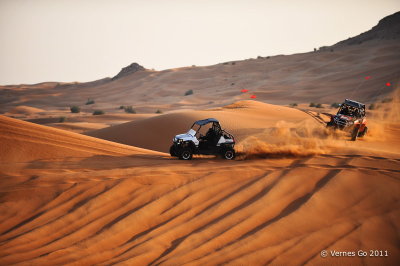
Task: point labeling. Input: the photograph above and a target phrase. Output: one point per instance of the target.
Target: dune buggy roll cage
(216, 127)
(352, 108)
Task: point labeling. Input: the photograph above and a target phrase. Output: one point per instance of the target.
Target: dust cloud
(290, 140)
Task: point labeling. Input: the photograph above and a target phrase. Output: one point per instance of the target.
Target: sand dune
(25, 110)
(23, 141)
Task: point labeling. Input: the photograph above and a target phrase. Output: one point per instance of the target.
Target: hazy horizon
(82, 41)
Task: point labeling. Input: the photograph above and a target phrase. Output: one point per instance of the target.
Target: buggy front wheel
(172, 151)
(354, 133)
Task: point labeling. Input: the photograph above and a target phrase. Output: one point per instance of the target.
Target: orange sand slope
(149, 209)
(23, 141)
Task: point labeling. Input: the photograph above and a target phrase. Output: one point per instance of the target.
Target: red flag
(388, 84)
(367, 77)
(244, 90)
(253, 96)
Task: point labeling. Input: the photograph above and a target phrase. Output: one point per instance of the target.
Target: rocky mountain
(388, 28)
(132, 68)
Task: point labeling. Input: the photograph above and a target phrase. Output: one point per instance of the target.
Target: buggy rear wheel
(362, 134)
(186, 154)
(229, 154)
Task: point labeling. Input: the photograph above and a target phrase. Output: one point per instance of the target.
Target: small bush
(62, 119)
(98, 112)
(312, 105)
(318, 105)
(158, 111)
(335, 105)
(122, 107)
(129, 109)
(75, 109)
(89, 101)
(260, 57)
(233, 83)
(233, 63)
(188, 92)
(293, 104)
(372, 107)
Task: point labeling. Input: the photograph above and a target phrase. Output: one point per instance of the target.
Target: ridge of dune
(24, 141)
(26, 110)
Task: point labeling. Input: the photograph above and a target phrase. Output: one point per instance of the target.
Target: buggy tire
(362, 134)
(354, 133)
(186, 154)
(229, 154)
(330, 124)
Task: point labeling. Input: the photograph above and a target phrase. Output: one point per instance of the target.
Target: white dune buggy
(199, 140)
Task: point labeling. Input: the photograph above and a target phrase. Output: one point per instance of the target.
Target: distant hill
(388, 28)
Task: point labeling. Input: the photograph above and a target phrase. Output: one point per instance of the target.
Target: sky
(85, 40)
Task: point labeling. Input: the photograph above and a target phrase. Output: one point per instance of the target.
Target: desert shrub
(233, 63)
(158, 111)
(129, 109)
(98, 112)
(89, 101)
(233, 83)
(318, 105)
(293, 104)
(260, 57)
(312, 105)
(62, 119)
(372, 107)
(75, 109)
(122, 107)
(188, 92)
(335, 105)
